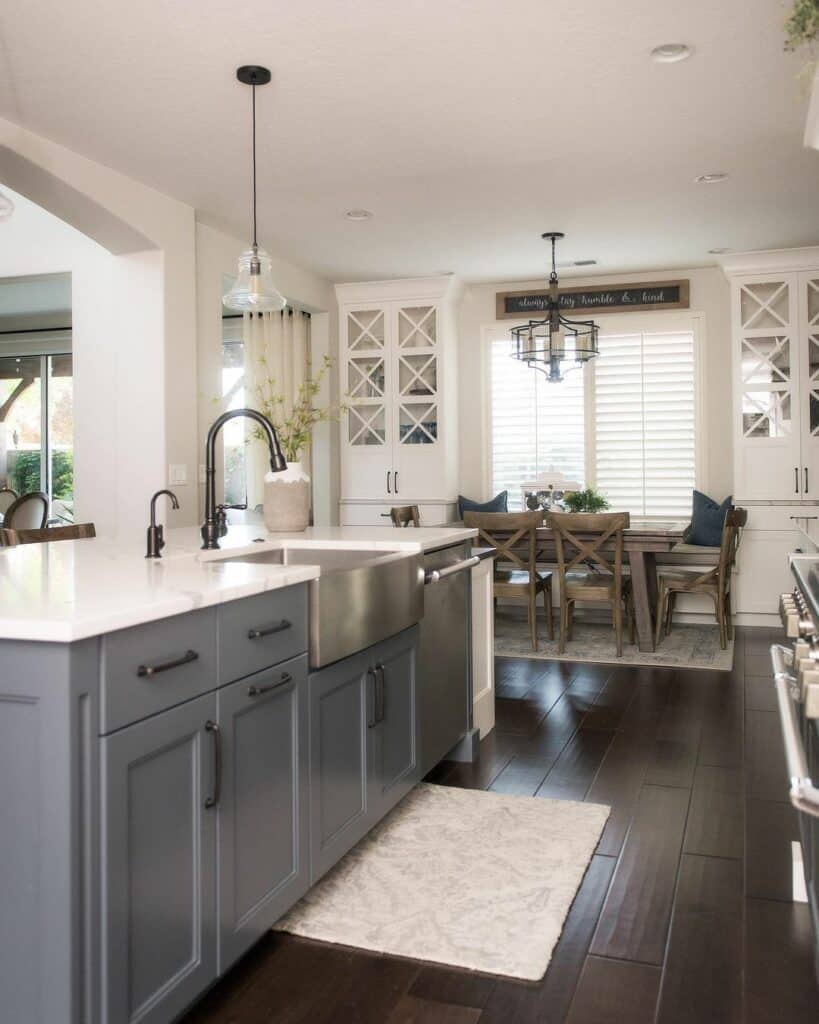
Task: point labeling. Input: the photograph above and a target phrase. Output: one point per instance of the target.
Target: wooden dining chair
(28, 512)
(585, 573)
(714, 583)
(405, 515)
(7, 498)
(78, 531)
(503, 531)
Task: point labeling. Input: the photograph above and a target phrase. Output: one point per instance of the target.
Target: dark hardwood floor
(684, 915)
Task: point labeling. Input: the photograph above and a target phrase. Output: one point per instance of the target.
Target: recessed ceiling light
(359, 214)
(711, 179)
(720, 250)
(671, 53)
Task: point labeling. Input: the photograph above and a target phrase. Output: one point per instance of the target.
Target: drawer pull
(257, 691)
(279, 627)
(153, 670)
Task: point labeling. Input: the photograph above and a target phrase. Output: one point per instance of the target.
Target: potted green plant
(588, 500)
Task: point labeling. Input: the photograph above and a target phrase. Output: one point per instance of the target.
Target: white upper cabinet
(398, 382)
(775, 317)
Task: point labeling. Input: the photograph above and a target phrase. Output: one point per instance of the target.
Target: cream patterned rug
(688, 646)
(460, 877)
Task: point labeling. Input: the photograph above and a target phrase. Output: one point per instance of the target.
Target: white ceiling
(467, 126)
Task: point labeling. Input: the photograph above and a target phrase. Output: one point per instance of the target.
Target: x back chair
(405, 515)
(28, 512)
(586, 573)
(7, 498)
(715, 582)
(79, 531)
(505, 531)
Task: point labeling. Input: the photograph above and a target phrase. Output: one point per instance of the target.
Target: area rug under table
(459, 877)
(687, 646)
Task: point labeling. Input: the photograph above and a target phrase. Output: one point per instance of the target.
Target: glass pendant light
(254, 290)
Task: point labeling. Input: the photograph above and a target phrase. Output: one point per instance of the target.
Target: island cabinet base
(49, 832)
(363, 744)
(142, 853)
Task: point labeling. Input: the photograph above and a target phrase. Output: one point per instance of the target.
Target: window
(626, 424)
(536, 426)
(37, 417)
(233, 395)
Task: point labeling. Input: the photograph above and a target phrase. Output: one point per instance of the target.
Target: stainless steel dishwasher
(445, 684)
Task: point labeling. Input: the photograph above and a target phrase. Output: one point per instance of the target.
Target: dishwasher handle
(803, 794)
(435, 575)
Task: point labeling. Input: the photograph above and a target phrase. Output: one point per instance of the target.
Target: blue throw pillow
(707, 521)
(496, 504)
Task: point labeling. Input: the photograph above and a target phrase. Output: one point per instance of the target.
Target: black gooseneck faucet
(156, 537)
(215, 524)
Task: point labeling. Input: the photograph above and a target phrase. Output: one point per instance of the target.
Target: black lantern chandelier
(555, 345)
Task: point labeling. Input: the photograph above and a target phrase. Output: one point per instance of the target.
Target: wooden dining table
(642, 542)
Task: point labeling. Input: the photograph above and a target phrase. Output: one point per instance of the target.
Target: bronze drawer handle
(257, 691)
(216, 732)
(280, 627)
(154, 670)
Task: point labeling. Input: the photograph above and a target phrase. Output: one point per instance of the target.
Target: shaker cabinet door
(158, 863)
(396, 732)
(263, 808)
(341, 710)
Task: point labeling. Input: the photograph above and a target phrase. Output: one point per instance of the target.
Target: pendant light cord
(253, 106)
(553, 275)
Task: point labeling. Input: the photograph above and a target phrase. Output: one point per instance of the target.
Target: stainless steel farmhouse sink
(360, 597)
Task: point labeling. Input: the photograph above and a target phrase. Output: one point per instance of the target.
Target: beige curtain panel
(276, 346)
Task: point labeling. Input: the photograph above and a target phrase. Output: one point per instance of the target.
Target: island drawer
(260, 631)
(154, 666)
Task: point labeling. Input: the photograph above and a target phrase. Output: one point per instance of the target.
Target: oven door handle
(803, 794)
(435, 575)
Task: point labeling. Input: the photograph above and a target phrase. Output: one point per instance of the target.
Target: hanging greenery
(802, 24)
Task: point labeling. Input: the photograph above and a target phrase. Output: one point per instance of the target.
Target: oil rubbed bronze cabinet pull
(257, 691)
(165, 666)
(214, 729)
(279, 627)
(379, 693)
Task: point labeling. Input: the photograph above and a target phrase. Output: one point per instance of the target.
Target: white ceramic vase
(287, 500)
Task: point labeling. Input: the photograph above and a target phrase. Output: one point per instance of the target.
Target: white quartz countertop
(69, 590)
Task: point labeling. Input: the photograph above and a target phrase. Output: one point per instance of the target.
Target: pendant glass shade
(254, 290)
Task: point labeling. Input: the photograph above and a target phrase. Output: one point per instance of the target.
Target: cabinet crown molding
(770, 261)
(429, 288)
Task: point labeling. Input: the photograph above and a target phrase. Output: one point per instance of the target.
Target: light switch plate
(177, 474)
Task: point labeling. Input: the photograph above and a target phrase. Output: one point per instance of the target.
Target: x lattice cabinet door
(767, 398)
(809, 381)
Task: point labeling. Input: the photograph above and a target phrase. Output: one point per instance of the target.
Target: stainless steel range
(796, 677)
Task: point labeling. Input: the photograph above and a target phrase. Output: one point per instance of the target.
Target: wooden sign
(613, 298)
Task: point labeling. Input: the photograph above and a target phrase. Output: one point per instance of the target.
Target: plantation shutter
(645, 422)
(537, 427)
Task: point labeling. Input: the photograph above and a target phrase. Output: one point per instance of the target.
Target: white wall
(710, 295)
(216, 255)
(134, 325)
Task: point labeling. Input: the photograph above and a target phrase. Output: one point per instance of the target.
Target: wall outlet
(177, 474)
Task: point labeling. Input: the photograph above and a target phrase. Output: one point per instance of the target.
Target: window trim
(614, 323)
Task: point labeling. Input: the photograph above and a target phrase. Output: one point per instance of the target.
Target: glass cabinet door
(365, 388)
(769, 459)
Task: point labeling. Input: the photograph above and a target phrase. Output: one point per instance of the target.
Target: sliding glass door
(37, 427)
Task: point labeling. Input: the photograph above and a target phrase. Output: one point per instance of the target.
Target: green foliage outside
(24, 473)
(585, 501)
(802, 24)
